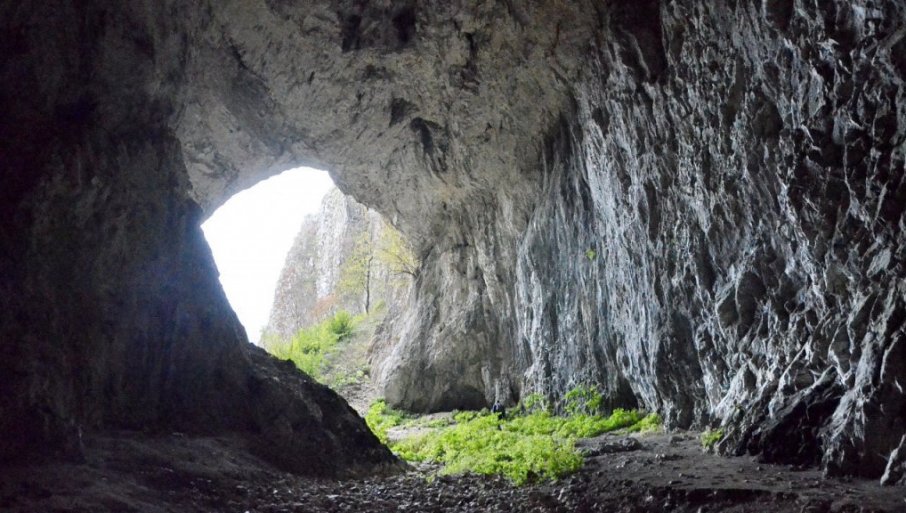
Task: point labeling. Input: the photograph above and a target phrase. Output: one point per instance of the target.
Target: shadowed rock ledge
(697, 206)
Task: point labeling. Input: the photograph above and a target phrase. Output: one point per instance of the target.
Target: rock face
(109, 313)
(720, 237)
(697, 206)
(338, 261)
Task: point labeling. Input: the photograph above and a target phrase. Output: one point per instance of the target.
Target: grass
(525, 448)
(523, 451)
(309, 347)
(710, 438)
(427, 423)
(380, 418)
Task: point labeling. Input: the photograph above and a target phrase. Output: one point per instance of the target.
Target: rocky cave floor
(661, 472)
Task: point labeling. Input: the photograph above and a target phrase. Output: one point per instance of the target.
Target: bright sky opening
(253, 231)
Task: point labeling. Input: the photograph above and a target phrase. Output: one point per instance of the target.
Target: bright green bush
(308, 347)
(710, 437)
(465, 416)
(525, 448)
(650, 423)
(583, 400)
(341, 324)
(535, 402)
(380, 418)
(427, 422)
(486, 445)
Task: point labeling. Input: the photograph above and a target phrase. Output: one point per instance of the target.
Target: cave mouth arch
(479, 135)
(250, 235)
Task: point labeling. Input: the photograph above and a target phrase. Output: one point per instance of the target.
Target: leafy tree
(357, 270)
(394, 252)
(386, 248)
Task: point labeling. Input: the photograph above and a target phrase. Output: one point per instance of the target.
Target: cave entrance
(312, 273)
(251, 234)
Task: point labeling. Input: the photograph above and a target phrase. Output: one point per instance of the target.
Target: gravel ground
(649, 473)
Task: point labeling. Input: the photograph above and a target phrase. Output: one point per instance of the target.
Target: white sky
(251, 234)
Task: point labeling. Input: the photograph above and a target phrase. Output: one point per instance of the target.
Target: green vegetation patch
(649, 424)
(380, 418)
(710, 438)
(525, 448)
(309, 347)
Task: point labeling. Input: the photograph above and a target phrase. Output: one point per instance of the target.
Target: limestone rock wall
(697, 205)
(110, 313)
(717, 237)
(720, 237)
(344, 238)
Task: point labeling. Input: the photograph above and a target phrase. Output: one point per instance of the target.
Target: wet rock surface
(663, 473)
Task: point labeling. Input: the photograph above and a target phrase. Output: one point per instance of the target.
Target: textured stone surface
(697, 205)
(895, 473)
(110, 313)
(311, 288)
(718, 237)
(739, 175)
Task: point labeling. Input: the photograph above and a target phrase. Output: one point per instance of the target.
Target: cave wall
(111, 315)
(436, 121)
(720, 238)
(717, 237)
(698, 206)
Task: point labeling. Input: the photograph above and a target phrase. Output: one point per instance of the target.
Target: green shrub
(525, 448)
(535, 402)
(522, 453)
(426, 422)
(583, 399)
(649, 424)
(380, 418)
(341, 324)
(710, 437)
(309, 346)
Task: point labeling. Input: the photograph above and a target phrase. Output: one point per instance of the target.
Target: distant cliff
(345, 257)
